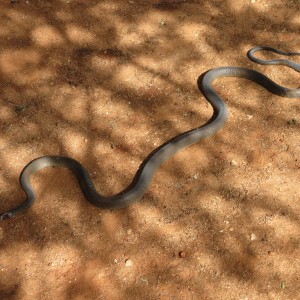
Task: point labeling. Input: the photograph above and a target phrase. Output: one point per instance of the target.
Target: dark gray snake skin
(145, 173)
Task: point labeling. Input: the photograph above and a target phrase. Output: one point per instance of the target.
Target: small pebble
(233, 163)
(292, 122)
(253, 237)
(182, 254)
(282, 285)
(2, 268)
(128, 263)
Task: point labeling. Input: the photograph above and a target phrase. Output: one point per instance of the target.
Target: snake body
(148, 168)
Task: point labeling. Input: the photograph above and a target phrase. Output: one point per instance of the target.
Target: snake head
(7, 215)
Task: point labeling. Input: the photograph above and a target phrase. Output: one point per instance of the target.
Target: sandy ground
(106, 82)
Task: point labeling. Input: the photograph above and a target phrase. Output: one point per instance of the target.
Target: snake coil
(146, 171)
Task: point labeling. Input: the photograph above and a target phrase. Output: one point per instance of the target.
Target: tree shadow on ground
(106, 83)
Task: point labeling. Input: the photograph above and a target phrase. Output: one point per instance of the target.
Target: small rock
(145, 280)
(282, 285)
(285, 147)
(292, 121)
(253, 236)
(182, 254)
(128, 263)
(233, 163)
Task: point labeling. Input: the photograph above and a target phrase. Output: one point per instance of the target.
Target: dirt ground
(106, 82)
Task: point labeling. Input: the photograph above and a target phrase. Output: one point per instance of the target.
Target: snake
(145, 173)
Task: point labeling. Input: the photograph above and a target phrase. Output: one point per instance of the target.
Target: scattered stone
(2, 268)
(292, 121)
(233, 163)
(253, 236)
(145, 280)
(282, 285)
(285, 147)
(182, 254)
(128, 263)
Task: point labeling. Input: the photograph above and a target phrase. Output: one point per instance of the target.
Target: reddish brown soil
(106, 82)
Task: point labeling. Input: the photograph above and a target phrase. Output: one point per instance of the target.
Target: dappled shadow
(107, 82)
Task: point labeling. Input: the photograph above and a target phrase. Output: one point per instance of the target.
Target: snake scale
(149, 166)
